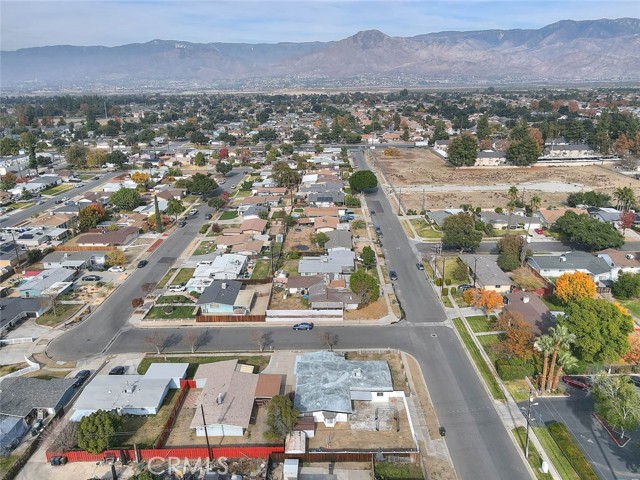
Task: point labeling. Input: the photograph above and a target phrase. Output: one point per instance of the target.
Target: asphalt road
(476, 437)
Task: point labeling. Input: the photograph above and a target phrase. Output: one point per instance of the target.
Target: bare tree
(329, 339)
(64, 436)
(260, 338)
(193, 339)
(147, 288)
(157, 340)
(49, 302)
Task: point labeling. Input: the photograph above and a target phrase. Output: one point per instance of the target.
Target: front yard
(205, 248)
(58, 189)
(228, 215)
(169, 313)
(258, 361)
(64, 311)
(425, 230)
(183, 276)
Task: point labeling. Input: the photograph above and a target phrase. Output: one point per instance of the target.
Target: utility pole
(529, 405)
(15, 246)
(475, 264)
(206, 434)
(444, 261)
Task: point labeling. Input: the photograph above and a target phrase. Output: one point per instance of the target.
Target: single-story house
(487, 273)
(335, 264)
(107, 238)
(8, 255)
(549, 217)
(438, 216)
(322, 297)
(533, 310)
(252, 211)
(249, 227)
(249, 249)
(174, 371)
(338, 240)
(20, 396)
(618, 261)
(227, 398)
(325, 224)
(36, 286)
(12, 429)
(326, 199)
(313, 212)
(223, 242)
(577, 261)
(14, 310)
(490, 158)
(59, 220)
(73, 260)
(228, 266)
(301, 284)
(327, 383)
(150, 209)
(198, 284)
(226, 297)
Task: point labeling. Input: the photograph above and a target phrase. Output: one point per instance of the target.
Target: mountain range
(565, 51)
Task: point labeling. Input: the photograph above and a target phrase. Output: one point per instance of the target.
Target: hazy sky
(26, 23)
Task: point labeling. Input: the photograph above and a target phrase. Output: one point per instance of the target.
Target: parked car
(635, 380)
(182, 224)
(372, 212)
(116, 268)
(419, 266)
(379, 231)
(178, 288)
(91, 278)
(464, 286)
(142, 263)
(538, 231)
(581, 383)
(40, 202)
(393, 275)
(97, 177)
(222, 182)
(303, 326)
(208, 216)
(58, 201)
(119, 370)
(193, 212)
(81, 377)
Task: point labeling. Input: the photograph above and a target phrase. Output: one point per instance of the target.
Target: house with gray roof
(47, 280)
(322, 297)
(20, 396)
(327, 384)
(336, 264)
(73, 260)
(438, 216)
(12, 429)
(326, 199)
(338, 240)
(226, 297)
(490, 158)
(554, 266)
(14, 310)
(488, 275)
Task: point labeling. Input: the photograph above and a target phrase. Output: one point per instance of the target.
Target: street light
(530, 404)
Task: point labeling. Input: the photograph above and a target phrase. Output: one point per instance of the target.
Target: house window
(379, 394)
(498, 286)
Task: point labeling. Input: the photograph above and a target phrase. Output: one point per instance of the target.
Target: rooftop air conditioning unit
(525, 299)
(563, 258)
(223, 286)
(630, 256)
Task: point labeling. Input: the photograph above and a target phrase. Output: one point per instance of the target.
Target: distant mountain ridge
(576, 51)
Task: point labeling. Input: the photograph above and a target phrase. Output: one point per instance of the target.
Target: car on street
(193, 212)
(538, 231)
(419, 266)
(635, 380)
(117, 268)
(372, 212)
(142, 263)
(182, 224)
(208, 216)
(379, 231)
(303, 326)
(119, 370)
(581, 383)
(97, 177)
(40, 202)
(58, 201)
(90, 278)
(393, 275)
(222, 182)
(178, 288)
(233, 186)
(81, 377)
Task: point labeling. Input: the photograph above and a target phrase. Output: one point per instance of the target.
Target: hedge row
(563, 437)
(513, 370)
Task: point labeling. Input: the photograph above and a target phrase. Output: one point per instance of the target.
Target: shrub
(293, 255)
(203, 229)
(498, 210)
(137, 302)
(439, 282)
(567, 444)
(215, 228)
(445, 291)
(453, 290)
(447, 281)
(513, 369)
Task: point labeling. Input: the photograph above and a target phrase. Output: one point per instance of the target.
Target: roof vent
(129, 388)
(223, 286)
(357, 373)
(630, 256)
(220, 399)
(525, 299)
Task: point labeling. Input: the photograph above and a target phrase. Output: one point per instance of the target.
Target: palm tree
(562, 339)
(625, 197)
(534, 206)
(544, 344)
(566, 362)
(511, 205)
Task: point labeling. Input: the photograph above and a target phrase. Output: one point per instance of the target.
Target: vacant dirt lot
(418, 168)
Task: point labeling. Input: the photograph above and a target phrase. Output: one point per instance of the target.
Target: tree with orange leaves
(634, 352)
(572, 287)
(518, 338)
(488, 300)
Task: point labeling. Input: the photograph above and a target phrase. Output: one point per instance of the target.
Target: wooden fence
(83, 248)
(230, 318)
(173, 415)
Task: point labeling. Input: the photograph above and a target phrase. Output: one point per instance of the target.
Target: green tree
(593, 199)
(617, 402)
(460, 272)
(157, 214)
(175, 207)
(439, 132)
(90, 216)
(625, 198)
(9, 146)
(34, 255)
(117, 158)
(524, 152)
(299, 137)
(363, 180)
(352, 201)
(462, 151)
(534, 206)
(198, 138)
(8, 181)
(627, 285)
(76, 155)
(202, 184)
(482, 128)
(116, 257)
(281, 417)
(368, 257)
(320, 239)
(562, 340)
(283, 175)
(96, 431)
(459, 231)
(510, 252)
(223, 168)
(364, 285)
(126, 199)
(590, 232)
(199, 160)
(544, 344)
(26, 194)
(216, 203)
(602, 329)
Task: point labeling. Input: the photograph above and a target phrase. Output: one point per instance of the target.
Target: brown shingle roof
(268, 385)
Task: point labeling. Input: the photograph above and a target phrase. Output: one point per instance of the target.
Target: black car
(208, 216)
(58, 202)
(419, 266)
(119, 370)
(464, 286)
(182, 224)
(393, 275)
(91, 278)
(142, 263)
(635, 380)
(81, 377)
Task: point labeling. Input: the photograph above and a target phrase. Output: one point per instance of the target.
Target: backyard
(143, 431)
(262, 269)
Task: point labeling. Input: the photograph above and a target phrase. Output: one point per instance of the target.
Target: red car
(580, 383)
(539, 231)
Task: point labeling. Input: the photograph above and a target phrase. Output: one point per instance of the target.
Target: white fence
(304, 315)
(15, 341)
(33, 366)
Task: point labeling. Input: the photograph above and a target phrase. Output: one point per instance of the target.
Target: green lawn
(169, 299)
(499, 232)
(534, 457)
(166, 277)
(562, 464)
(553, 303)
(519, 389)
(633, 306)
(567, 444)
(243, 193)
(19, 205)
(228, 215)
(487, 342)
(260, 361)
(64, 311)
(6, 462)
(262, 269)
(158, 313)
(447, 301)
(480, 323)
(399, 471)
(205, 248)
(484, 369)
(57, 190)
(190, 199)
(424, 229)
(184, 275)
(145, 430)
(449, 266)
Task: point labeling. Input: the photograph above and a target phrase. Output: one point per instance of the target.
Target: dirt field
(416, 168)
(373, 311)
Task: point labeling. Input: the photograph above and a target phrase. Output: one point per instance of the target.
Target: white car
(177, 288)
(116, 269)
